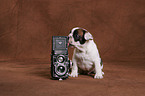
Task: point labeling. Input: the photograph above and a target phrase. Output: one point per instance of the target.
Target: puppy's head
(78, 36)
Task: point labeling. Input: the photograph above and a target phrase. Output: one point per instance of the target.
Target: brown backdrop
(26, 29)
(26, 26)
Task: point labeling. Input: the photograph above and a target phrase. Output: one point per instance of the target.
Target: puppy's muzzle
(69, 44)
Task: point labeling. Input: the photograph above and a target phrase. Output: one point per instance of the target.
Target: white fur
(85, 56)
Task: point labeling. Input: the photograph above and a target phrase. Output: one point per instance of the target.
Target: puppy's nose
(67, 44)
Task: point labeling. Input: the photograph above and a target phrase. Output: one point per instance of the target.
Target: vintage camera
(60, 63)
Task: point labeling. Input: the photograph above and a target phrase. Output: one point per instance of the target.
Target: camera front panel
(59, 57)
(60, 66)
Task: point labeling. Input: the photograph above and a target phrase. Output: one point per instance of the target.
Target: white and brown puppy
(86, 56)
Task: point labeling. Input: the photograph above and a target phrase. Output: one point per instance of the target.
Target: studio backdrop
(27, 26)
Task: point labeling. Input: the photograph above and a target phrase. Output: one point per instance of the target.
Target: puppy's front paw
(74, 74)
(98, 76)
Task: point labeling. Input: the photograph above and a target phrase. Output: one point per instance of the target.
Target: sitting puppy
(86, 56)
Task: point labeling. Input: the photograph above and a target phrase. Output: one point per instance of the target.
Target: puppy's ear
(88, 36)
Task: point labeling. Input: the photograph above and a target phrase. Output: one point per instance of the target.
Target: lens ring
(60, 70)
(60, 59)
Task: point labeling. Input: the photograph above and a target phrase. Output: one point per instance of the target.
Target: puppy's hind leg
(102, 67)
(98, 70)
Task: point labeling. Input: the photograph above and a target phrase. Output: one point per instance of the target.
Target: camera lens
(60, 59)
(61, 69)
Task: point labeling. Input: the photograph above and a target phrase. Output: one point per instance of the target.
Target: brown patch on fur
(80, 32)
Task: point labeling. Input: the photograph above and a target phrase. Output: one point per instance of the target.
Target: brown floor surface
(32, 78)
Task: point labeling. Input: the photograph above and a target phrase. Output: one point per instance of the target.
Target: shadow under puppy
(86, 55)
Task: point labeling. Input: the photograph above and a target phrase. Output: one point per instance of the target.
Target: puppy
(86, 56)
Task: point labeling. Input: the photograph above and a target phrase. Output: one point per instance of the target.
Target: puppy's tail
(101, 64)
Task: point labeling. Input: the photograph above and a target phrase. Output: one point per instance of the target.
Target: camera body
(60, 63)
